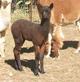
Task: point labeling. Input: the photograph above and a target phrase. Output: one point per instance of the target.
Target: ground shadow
(27, 63)
(67, 44)
(66, 24)
(11, 63)
(27, 50)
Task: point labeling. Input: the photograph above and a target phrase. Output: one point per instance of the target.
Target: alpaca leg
(49, 44)
(78, 49)
(41, 63)
(2, 50)
(2, 45)
(17, 59)
(61, 37)
(54, 54)
(37, 65)
(61, 33)
(58, 36)
(78, 24)
(54, 49)
(41, 58)
(18, 43)
(36, 61)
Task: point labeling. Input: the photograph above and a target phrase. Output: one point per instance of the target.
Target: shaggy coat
(64, 11)
(5, 9)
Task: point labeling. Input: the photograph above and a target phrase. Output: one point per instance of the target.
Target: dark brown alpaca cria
(37, 33)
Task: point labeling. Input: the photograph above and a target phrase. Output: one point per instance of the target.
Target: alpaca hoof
(20, 69)
(2, 56)
(47, 56)
(42, 72)
(61, 45)
(54, 55)
(36, 74)
(77, 51)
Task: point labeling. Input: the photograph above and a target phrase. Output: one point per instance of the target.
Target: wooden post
(30, 11)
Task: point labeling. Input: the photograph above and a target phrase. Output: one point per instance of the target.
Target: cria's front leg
(41, 63)
(36, 65)
(36, 61)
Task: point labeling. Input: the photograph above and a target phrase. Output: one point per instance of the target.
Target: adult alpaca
(4, 23)
(37, 33)
(67, 10)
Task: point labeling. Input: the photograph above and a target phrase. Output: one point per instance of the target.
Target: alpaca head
(5, 4)
(45, 10)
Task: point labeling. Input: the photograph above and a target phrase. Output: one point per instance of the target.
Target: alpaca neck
(45, 25)
(45, 22)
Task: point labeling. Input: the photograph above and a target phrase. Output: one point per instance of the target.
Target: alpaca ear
(39, 5)
(5, 4)
(51, 6)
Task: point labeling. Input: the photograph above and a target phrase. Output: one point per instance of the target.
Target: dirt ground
(64, 69)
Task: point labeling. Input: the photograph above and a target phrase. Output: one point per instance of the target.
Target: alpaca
(37, 33)
(4, 23)
(64, 11)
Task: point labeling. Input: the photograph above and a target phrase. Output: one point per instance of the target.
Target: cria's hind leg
(17, 49)
(17, 59)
